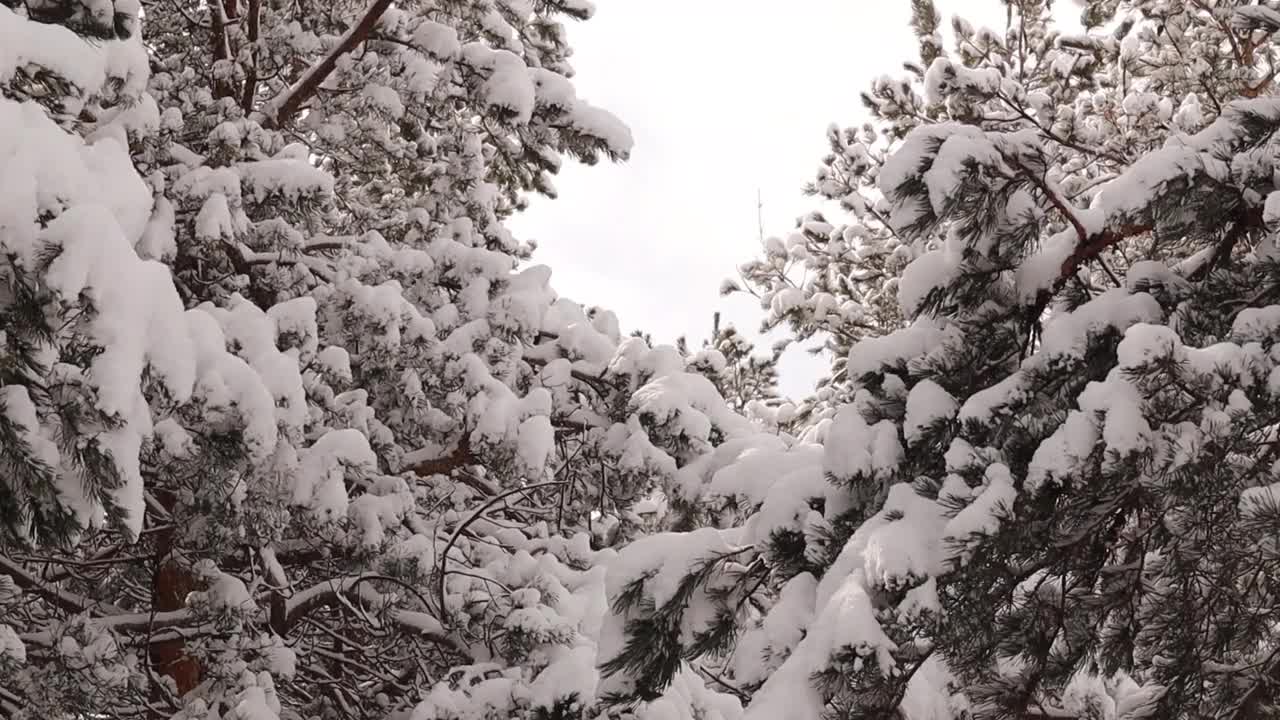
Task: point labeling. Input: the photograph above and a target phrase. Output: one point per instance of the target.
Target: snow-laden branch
(287, 615)
(311, 599)
(125, 623)
(1124, 207)
(462, 526)
(1090, 242)
(281, 109)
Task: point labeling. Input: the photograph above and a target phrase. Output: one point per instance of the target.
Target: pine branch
(1261, 693)
(454, 464)
(719, 680)
(1088, 245)
(281, 109)
(476, 515)
(125, 623)
(287, 615)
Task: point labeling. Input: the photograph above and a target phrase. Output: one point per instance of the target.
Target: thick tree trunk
(172, 582)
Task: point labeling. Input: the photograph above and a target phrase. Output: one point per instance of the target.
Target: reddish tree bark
(172, 582)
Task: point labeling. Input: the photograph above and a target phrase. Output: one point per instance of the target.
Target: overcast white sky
(724, 98)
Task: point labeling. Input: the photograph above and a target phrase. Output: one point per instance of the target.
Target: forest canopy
(293, 427)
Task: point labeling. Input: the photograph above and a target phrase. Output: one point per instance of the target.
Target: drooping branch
(1261, 692)
(281, 109)
(288, 614)
(462, 526)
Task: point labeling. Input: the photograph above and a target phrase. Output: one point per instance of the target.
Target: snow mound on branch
(927, 404)
(786, 506)
(945, 77)
(855, 449)
(664, 560)
(902, 542)
(982, 516)
(1065, 334)
(874, 354)
(320, 483)
(58, 50)
(689, 698)
(739, 467)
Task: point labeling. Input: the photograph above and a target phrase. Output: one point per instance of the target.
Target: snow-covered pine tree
(102, 363)
(1099, 99)
(1051, 492)
(746, 379)
(402, 461)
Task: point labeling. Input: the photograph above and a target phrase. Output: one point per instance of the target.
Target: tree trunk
(172, 582)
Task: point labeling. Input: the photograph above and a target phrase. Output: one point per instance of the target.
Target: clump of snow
(1145, 343)
(666, 559)
(959, 153)
(437, 39)
(1271, 209)
(599, 123)
(51, 46)
(320, 483)
(508, 85)
(1125, 429)
(983, 405)
(1065, 334)
(222, 591)
(1063, 451)
(287, 177)
(1257, 324)
(12, 650)
(873, 354)
(789, 618)
(1259, 497)
(926, 404)
(855, 449)
(257, 701)
(984, 514)
(570, 672)
(689, 698)
(848, 619)
(1039, 272)
(747, 467)
(945, 77)
(786, 506)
